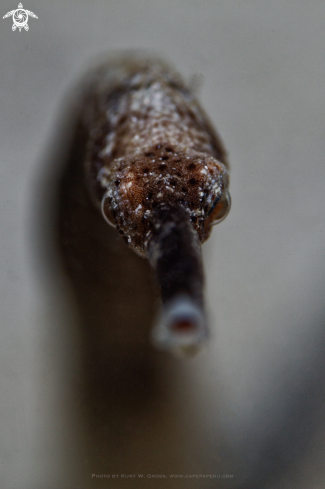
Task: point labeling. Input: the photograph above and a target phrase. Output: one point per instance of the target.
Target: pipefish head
(164, 202)
(137, 184)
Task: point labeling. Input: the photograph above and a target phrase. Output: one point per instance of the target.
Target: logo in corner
(20, 18)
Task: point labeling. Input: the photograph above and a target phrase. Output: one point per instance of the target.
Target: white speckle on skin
(138, 208)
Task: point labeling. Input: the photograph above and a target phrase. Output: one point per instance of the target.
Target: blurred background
(250, 407)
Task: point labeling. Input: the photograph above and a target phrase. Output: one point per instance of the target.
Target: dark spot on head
(123, 119)
(150, 195)
(117, 182)
(164, 158)
(192, 181)
(173, 183)
(150, 155)
(191, 166)
(169, 150)
(181, 112)
(192, 115)
(122, 132)
(146, 170)
(184, 190)
(162, 167)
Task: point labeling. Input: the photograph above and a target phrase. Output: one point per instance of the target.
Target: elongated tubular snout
(174, 252)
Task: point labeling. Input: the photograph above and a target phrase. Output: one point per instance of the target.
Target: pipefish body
(157, 171)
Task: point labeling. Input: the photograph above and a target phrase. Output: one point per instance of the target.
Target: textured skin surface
(149, 143)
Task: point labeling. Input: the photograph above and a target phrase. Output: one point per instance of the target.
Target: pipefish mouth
(158, 172)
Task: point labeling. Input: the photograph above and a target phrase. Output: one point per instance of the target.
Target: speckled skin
(149, 143)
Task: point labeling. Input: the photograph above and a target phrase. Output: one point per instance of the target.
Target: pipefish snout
(158, 172)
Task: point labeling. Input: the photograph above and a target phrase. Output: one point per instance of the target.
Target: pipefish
(157, 171)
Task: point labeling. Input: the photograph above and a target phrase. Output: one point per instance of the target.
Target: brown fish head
(139, 183)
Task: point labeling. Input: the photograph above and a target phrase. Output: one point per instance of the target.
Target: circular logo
(20, 18)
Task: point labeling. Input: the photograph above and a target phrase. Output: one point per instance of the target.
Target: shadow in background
(285, 451)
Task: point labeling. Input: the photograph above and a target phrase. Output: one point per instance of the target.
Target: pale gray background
(261, 379)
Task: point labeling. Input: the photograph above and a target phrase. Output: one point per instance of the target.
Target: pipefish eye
(220, 208)
(107, 212)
